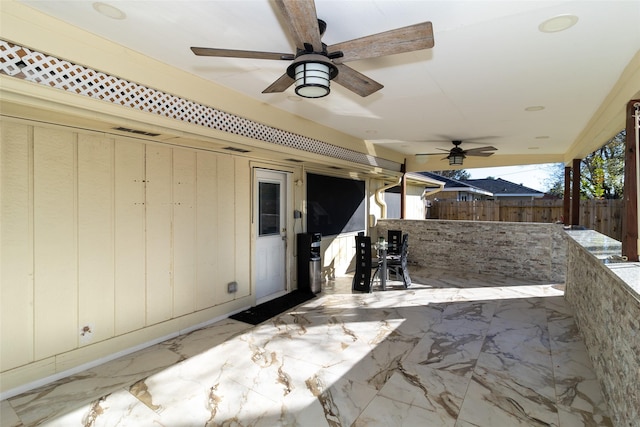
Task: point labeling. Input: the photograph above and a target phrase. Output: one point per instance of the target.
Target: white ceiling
(489, 63)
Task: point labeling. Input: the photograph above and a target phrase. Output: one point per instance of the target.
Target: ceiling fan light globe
(455, 159)
(312, 80)
(312, 73)
(312, 91)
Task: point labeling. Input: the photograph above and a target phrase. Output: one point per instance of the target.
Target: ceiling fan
(315, 63)
(457, 155)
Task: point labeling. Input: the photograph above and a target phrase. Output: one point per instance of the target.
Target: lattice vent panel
(23, 63)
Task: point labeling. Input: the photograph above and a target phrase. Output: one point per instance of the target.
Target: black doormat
(269, 309)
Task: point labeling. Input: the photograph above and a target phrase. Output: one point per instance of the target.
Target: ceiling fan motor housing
(456, 155)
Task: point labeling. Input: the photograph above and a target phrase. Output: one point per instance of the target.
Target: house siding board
(129, 236)
(207, 228)
(55, 242)
(96, 288)
(132, 239)
(184, 231)
(16, 245)
(159, 245)
(226, 243)
(242, 230)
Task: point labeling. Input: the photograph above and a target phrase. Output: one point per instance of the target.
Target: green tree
(555, 180)
(460, 174)
(601, 172)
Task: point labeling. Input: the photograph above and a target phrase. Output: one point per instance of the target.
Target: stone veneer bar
(606, 300)
(516, 249)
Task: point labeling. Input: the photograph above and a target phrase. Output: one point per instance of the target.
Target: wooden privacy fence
(603, 216)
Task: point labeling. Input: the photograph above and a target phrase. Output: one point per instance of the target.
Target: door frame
(288, 221)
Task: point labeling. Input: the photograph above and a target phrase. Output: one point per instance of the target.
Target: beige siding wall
(105, 238)
(129, 236)
(55, 242)
(16, 246)
(415, 202)
(95, 231)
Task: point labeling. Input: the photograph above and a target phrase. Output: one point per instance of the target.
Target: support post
(630, 192)
(403, 192)
(566, 203)
(575, 193)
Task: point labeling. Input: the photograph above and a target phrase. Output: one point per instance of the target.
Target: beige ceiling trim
(609, 119)
(26, 64)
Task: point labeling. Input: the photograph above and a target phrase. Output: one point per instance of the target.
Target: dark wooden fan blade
(231, 53)
(479, 154)
(480, 151)
(303, 22)
(356, 81)
(280, 85)
(487, 148)
(406, 39)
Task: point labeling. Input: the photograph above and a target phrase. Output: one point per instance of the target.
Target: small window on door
(269, 213)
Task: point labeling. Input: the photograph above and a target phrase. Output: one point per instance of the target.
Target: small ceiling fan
(315, 63)
(457, 155)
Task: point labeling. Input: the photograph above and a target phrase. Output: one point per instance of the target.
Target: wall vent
(137, 132)
(237, 150)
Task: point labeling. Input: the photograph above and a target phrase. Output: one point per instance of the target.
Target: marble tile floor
(452, 350)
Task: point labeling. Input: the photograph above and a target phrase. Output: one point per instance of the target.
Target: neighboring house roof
(455, 185)
(503, 188)
(496, 187)
(420, 178)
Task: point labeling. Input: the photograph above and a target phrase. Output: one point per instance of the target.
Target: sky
(532, 176)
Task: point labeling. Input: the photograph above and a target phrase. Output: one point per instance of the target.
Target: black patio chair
(394, 237)
(398, 263)
(364, 265)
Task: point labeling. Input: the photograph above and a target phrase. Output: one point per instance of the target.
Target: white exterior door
(270, 222)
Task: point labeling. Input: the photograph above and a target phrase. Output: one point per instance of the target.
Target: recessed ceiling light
(534, 108)
(558, 23)
(109, 11)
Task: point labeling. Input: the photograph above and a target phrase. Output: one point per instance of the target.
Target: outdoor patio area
(452, 350)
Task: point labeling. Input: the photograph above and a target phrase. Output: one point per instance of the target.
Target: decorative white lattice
(23, 63)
